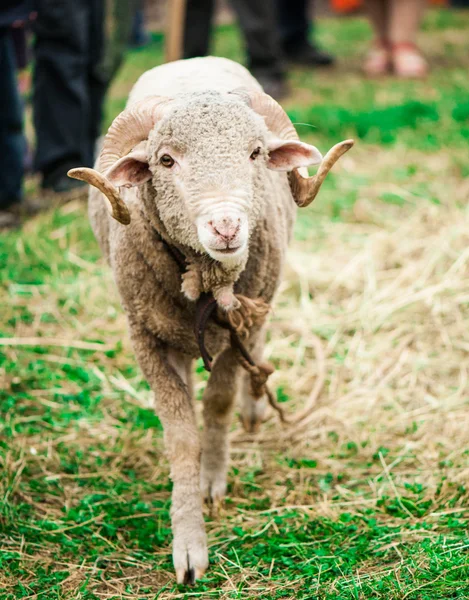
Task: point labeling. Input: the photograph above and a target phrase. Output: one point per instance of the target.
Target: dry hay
(383, 302)
(393, 307)
(384, 298)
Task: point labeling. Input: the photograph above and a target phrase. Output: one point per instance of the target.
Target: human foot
(378, 60)
(408, 62)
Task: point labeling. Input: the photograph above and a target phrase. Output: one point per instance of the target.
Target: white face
(219, 202)
(207, 161)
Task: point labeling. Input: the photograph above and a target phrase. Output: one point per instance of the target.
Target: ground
(367, 497)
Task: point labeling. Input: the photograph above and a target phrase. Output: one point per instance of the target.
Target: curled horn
(119, 210)
(126, 131)
(304, 189)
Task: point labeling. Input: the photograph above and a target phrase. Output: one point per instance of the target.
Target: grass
(366, 499)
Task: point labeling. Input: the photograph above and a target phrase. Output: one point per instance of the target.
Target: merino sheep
(211, 168)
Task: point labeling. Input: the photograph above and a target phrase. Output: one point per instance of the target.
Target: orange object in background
(347, 6)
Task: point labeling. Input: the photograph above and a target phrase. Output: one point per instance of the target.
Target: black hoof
(189, 577)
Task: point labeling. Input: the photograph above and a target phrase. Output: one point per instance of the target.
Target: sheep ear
(286, 155)
(130, 170)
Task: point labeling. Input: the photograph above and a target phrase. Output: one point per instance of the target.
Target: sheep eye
(255, 153)
(167, 161)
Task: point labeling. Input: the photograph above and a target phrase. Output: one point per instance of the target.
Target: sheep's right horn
(128, 129)
(305, 189)
(119, 211)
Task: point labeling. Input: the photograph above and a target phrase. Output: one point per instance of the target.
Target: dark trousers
(12, 141)
(69, 87)
(293, 21)
(257, 19)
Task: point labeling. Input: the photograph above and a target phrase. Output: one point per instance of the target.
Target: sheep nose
(226, 229)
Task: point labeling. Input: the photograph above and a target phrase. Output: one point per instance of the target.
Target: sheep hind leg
(219, 398)
(253, 411)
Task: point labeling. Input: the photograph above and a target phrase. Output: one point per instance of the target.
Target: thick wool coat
(147, 275)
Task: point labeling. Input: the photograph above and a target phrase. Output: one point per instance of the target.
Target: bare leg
(378, 13)
(405, 19)
(167, 374)
(219, 399)
(406, 16)
(378, 61)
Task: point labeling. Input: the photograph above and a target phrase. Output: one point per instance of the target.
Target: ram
(202, 173)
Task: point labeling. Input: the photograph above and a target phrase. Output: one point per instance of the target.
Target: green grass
(371, 501)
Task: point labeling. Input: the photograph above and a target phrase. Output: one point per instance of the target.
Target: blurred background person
(21, 34)
(139, 36)
(274, 30)
(395, 24)
(257, 19)
(79, 46)
(13, 14)
(296, 29)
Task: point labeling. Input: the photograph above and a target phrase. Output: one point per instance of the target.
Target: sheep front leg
(167, 373)
(219, 398)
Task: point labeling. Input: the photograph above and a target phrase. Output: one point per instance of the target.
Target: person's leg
(293, 22)
(257, 19)
(110, 32)
(378, 14)
(378, 61)
(99, 75)
(405, 19)
(60, 101)
(139, 36)
(12, 143)
(197, 27)
(295, 27)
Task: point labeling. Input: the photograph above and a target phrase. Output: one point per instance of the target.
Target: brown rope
(238, 324)
(258, 373)
(205, 306)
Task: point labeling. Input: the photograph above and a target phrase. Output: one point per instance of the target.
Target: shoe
(12, 217)
(29, 207)
(273, 85)
(308, 55)
(408, 62)
(378, 60)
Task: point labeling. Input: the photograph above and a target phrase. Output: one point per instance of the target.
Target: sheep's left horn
(119, 210)
(305, 189)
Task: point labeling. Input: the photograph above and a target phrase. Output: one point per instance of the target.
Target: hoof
(190, 557)
(213, 486)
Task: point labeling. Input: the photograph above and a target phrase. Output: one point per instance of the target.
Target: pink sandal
(378, 60)
(408, 62)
